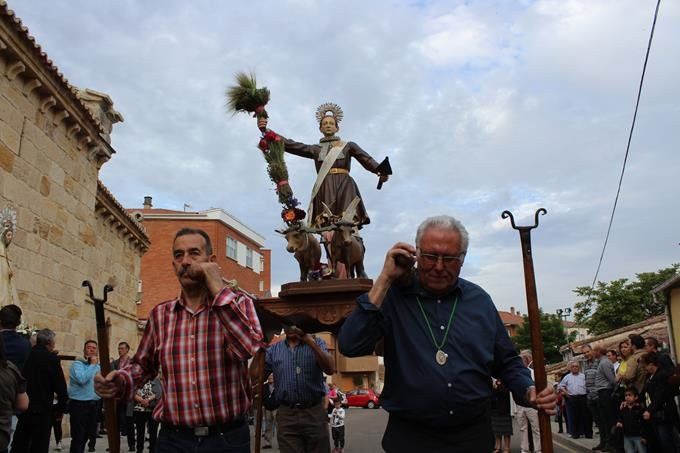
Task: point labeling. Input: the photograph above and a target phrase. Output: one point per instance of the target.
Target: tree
(553, 336)
(619, 303)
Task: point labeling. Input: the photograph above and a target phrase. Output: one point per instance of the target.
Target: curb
(571, 443)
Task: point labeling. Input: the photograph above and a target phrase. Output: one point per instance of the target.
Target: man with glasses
(443, 342)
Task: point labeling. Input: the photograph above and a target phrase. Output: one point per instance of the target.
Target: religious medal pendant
(298, 370)
(441, 357)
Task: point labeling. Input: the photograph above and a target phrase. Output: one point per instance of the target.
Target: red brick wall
(159, 282)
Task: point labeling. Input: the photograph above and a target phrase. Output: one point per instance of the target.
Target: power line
(630, 136)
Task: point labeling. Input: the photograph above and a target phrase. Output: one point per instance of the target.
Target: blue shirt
(416, 386)
(81, 380)
(292, 387)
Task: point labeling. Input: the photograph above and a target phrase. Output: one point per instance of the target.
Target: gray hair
(444, 222)
(44, 337)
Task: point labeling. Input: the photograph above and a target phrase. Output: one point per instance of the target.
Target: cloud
(482, 106)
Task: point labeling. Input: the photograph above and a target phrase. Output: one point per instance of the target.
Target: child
(338, 426)
(630, 419)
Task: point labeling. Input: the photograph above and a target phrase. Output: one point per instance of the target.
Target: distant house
(668, 293)
(581, 333)
(511, 320)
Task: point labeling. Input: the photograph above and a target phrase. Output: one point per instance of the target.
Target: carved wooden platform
(312, 306)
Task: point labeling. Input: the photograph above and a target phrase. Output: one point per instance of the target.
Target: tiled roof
(9, 17)
(510, 319)
(133, 223)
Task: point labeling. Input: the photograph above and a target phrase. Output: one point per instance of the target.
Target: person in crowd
(298, 364)
(604, 405)
(573, 387)
(527, 417)
(449, 330)
(613, 357)
(270, 406)
(633, 374)
(559, 416)
(13, 397)
(57, 419)
(332, 395)
(124, 409)
(653, 345)
(17, 346)
(501, 421)
(145, 400)
(202, 341)
(337, 422)
(660, 409)
(83, 401)
(631, 423)
(45, 379)
(590, 371)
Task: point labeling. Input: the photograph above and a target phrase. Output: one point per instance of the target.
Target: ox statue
(305, 248)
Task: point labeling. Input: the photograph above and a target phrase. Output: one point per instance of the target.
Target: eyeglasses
(430, 259)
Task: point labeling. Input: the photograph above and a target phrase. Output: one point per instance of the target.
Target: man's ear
(213, 258)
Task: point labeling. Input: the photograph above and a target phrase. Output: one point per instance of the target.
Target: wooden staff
(534, 323)
(258, 363)
(105, 364)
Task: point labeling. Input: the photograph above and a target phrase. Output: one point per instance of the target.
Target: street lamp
(563, 313)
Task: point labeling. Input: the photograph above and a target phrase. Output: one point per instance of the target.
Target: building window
(261, 285)
(231, 248)
(249, 258)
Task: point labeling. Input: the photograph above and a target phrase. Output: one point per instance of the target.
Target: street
(364, 429)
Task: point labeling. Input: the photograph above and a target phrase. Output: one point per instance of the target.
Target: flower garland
(246, 97)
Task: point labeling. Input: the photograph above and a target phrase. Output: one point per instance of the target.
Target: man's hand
(619, 425)
(545, 401)
(398, 263)
(209, 273)
(262, 123)
(111, 386)
(646, 415)
(93, 360)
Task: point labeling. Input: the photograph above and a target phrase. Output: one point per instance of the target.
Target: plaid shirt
(203, 356)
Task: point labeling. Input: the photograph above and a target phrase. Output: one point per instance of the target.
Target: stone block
(45, 186)
(9, 137)
(6, 158)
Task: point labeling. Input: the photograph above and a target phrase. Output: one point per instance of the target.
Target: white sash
(326, 165)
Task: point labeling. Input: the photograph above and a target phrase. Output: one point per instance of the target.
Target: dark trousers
(56, 426)
(33, 433)
(579, 416)
(606, 415)
(338, 434)
(83, 415)
(143, 420)
(236, 440)
(303, 430)
(405, 436)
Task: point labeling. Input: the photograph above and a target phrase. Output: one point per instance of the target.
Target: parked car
(363, 398)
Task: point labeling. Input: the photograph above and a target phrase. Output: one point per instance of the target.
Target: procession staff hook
(105, 364)
(534, 321)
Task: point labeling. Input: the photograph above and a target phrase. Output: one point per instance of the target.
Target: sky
(481, 106)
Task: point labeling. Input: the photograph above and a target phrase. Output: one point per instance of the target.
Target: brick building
(54, 139)
(238, 248)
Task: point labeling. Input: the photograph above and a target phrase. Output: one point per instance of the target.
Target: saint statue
(334, 187)
(8, 292)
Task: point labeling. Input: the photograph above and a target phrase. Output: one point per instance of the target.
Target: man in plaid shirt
(202, 341)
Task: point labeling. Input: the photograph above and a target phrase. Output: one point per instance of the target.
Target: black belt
(202, 431)
(305, 405)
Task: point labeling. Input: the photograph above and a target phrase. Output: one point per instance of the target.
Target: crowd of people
(628, 394)
(33, 385)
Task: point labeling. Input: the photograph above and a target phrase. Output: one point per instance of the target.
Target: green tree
(553, 336)
(621, 302)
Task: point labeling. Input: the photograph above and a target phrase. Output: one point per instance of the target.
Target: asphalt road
(364, 429)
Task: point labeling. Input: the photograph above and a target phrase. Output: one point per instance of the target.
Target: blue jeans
(634, 445)
(236, 440)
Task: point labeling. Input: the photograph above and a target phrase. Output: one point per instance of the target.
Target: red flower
(271, 136)
(263, 145)
(288, 215)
